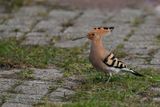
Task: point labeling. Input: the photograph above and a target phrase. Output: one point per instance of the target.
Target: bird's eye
(92, 34)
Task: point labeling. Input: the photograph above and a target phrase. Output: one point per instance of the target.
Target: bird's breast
(96, 61)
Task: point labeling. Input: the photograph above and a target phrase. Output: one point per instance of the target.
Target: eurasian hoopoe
(101, 58)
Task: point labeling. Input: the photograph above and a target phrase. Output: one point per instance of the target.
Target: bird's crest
(102, 30)
(99, 31)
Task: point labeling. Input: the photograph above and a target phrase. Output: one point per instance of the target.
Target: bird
(101, 58)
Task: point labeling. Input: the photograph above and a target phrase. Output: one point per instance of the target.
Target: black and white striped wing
(112, 61)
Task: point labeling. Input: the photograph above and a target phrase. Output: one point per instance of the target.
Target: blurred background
(83, 4)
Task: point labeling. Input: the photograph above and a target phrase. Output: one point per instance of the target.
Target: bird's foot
(110, 76)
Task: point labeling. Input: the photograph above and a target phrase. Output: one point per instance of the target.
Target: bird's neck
(97, 44)
(98, 47)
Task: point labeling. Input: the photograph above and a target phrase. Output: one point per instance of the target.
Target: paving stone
(6, 73)
(50, 27)
(70, 85)
(71, 43)
(24, 99)
(127, 15)
(157, 10)
(63, 16)
(19, 24)
(6, 84)
(72, 82)
(147, 30)
(31, 11)
(34, 87)
(156, 99)
(141, 38)
(117, 36)
(36, 38)
(11, 34)
(91, 18)
(85, 23)
(21, 21)
(155, 89)
(47, 74)
(15, 105)
(59, 94)
(152, 20)
(76, 31)
(156, 59)
(2, 28)
(0, 102)
(135, 61)
(149, 65)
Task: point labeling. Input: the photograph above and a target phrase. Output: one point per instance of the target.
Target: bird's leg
(110, 76)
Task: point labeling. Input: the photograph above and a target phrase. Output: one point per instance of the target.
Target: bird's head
(99, 32)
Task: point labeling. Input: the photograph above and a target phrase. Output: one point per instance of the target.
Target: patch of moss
(158, 38)
(12, 89)
(128, 35)
(119, 51)
(137, 21)
(55, 39)
(11, 4)
(151, 54)
(48, 104)
(4, 98)
(25, 74)
(67, 24)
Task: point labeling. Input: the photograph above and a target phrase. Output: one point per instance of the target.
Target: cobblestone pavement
(136, 29)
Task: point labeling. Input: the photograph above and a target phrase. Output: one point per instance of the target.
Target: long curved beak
(79, 38)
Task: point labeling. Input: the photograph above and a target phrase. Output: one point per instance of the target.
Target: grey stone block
(77, 31)
(156, 58)
(50, 27)
(59, 94)
(62, 16)
(34, 87)
(47, 74)
(71, 43)
(36, 38)
(31, 11)
(127, 15)
(15, 105)
(7, 34)
(91, 18)
(24, 99)
(7, 73)
(156, 99)
(6, 84)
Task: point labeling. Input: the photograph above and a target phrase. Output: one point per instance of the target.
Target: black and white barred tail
(133, 72)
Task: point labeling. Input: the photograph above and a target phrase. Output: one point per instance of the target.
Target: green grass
(137, 21)
(129, 35)
(12, 4)
(18, 56)
(122, 90)
(158, 38)
(25, 74)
